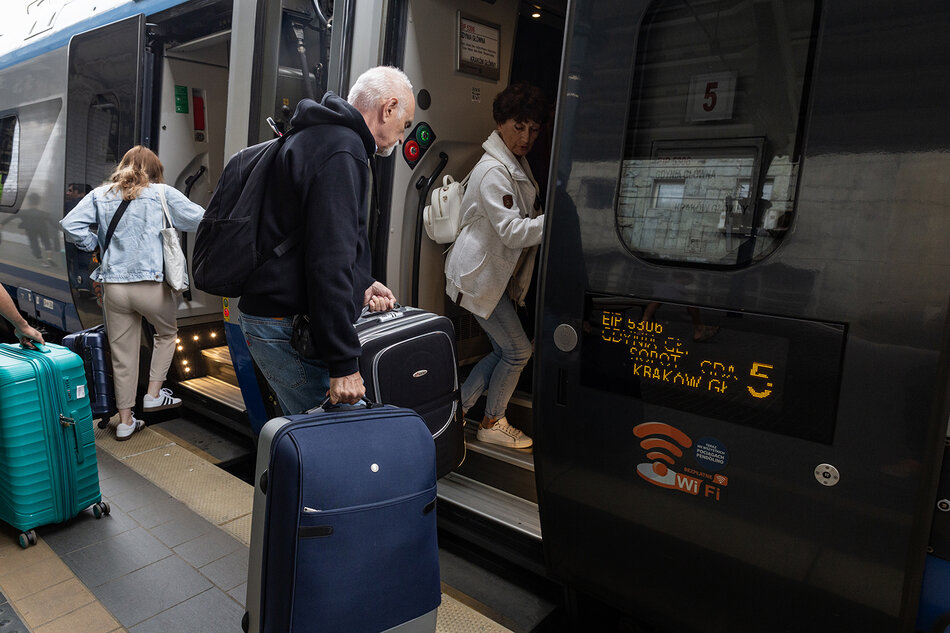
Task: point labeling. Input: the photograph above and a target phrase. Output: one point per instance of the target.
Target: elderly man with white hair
(320, 188)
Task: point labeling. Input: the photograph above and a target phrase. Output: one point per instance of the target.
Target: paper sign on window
(711, 97)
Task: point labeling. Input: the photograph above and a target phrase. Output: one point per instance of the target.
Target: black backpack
(226, 249)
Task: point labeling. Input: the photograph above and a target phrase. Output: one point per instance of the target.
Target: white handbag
(442, 218)
(176, 275)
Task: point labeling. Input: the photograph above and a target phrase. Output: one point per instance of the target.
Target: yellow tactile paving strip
(45, 593)
(207, 490)
(456, 616)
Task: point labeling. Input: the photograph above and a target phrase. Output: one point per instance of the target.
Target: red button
(411, 150)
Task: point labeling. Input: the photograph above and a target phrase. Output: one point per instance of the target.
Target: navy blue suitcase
(343, 532)
(92, 346)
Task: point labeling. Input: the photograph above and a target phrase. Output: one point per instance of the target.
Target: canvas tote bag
(175, 267)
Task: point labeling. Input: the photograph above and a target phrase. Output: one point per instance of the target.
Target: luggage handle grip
(366, 316)
(364, 403)
(37, 347)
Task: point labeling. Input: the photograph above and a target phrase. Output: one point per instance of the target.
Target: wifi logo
(664, 444)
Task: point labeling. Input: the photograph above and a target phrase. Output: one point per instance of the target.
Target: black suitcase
(92, 346)
(409, 360)
(343, 532)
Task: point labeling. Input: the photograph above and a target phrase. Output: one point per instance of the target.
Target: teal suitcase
(48, 470)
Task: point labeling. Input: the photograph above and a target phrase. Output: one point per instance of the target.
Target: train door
(734, 430)
(103, 120)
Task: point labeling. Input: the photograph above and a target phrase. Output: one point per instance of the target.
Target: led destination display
(749, 368)
(774, 373)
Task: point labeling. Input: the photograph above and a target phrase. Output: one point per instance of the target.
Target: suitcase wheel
(246, 622)
(100, 509)
(27, 539)
(103, 423)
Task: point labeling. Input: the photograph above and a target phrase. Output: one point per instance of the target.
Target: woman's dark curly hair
(522, 102)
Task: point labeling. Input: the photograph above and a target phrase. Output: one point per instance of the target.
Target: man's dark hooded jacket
(319, 186)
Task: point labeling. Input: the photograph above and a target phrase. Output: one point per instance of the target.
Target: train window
(103, 92)
(9, 159)
(711, 157)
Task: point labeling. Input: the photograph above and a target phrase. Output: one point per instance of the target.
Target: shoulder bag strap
(294, 238)
(115, 222)
(167, 218)
(470, 218)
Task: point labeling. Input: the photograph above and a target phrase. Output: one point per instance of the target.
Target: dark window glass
(711, 161)
(102, 103)
(9, 159)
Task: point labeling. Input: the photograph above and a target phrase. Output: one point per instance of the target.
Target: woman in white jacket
(489, 267)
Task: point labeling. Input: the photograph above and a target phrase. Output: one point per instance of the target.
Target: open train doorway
(459, 57)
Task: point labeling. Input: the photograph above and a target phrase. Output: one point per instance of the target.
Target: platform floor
(170, 558)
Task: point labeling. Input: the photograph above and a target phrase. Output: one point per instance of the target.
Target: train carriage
(739, 395)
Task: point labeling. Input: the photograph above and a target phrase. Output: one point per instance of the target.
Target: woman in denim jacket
(488, 269)
(131, 273)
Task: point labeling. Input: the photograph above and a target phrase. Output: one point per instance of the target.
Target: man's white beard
(386, 151)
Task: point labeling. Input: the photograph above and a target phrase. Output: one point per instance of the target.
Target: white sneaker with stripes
(165, 400)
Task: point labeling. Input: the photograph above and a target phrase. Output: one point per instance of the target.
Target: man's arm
(334, 198)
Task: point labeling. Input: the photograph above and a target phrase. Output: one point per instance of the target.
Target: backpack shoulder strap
(115, 222)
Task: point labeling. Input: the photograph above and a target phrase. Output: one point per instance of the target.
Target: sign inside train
(478, 47)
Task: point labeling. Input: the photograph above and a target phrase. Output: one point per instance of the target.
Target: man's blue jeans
(499, 371)
(299, 383)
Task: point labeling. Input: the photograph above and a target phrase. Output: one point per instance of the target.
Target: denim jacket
(135, 252)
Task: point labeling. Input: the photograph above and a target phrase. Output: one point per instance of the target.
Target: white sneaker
(165, 400)
(504, 435)
(125, 431)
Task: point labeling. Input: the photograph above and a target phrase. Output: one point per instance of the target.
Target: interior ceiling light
(536, 14)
